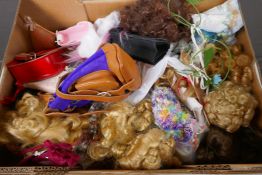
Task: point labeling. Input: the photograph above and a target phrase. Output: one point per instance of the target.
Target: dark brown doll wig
(152, 18)
(217, 147)
(250, 145)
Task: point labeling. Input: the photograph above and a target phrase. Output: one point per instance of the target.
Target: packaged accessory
(177, 121)
(145, 49)
(186, 93)
(110, 75)
(224, 19)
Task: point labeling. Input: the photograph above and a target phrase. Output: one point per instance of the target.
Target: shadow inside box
(7, 157)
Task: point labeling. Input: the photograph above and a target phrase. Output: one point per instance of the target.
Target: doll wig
(29, 125)
(128, 135)
(153, 18)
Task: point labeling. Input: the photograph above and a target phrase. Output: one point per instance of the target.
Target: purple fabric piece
(95, 63)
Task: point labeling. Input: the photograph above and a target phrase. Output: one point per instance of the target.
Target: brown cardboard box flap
(100, 8)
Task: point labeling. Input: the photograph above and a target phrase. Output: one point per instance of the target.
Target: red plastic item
(29, 67)
(37, 66)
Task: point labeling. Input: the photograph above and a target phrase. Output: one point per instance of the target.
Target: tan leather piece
(129, 69)
(94, 75)
(94, 81)
(114, 85)
(112, 60)
(92, 97)
(42, 39)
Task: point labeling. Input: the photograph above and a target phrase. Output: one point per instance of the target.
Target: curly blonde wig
(29, 125)
(230, 106)
(128, 135)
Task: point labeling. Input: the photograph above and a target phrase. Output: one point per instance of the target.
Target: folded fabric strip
(108, 76)
(72, 35)
(47, 85)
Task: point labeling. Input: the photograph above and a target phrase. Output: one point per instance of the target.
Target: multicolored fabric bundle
(171, 116)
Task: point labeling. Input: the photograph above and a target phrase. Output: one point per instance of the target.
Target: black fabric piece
(145, 49)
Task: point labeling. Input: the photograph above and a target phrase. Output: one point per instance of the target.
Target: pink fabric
(57, 154)
(72, 35)
(86, 38)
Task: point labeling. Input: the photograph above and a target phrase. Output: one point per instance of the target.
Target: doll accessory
(110, 75)
(49, 153)
(72, 35)
(29, 67)
(32, 67)
(224, 19)
(145, 49)
(42, 38)
(170, 115)
(230, 106)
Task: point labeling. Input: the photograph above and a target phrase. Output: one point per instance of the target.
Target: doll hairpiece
(30, 125)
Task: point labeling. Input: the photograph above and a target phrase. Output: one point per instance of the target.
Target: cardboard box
(59, 14)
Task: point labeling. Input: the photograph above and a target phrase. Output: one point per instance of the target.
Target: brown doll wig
(249, 141)
(217, 147)
(28, 124)
(153, 18)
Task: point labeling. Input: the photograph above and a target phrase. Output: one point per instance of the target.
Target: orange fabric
(114, 85)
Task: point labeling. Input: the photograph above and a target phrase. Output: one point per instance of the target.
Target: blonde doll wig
(29, 125)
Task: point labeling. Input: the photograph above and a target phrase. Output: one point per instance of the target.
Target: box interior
(60, 14)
